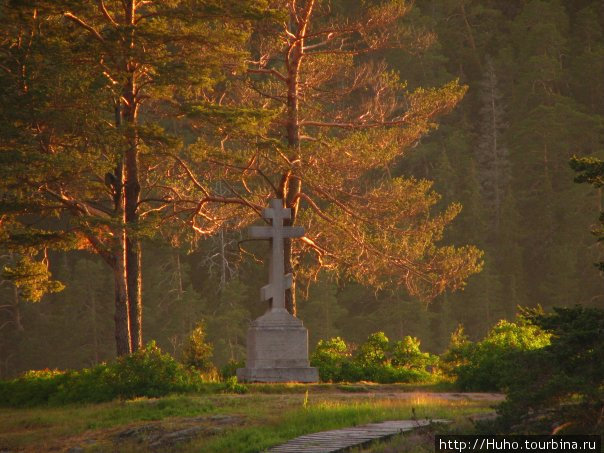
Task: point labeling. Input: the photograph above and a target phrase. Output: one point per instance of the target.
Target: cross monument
(277, 342)
(278, 281)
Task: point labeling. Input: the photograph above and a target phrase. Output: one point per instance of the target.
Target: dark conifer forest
(433, 151)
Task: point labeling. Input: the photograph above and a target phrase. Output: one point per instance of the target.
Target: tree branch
(83, 24)
(268, 71)
(189, 173)
(106, 13)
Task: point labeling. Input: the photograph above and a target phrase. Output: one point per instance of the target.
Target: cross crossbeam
(276, 232)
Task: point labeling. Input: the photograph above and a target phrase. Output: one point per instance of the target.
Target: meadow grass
(270, 418)
(331, 413)
(440, 386)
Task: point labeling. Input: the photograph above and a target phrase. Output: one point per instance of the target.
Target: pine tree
(342, 119)
(95, 161)
(491, 153)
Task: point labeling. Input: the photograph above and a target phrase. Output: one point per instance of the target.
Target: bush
(407, 354)
(490, 364)
(559, 387)
(230, 369)
(376, 360)
(33, 388)
(147, 372)
(329, 357)
(231, 385)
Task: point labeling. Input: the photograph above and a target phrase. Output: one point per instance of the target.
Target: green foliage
(329, 357)
(32, 278)
(376, 360)
(197, 352)
(455, 355)
(561, 385)
(591, 170)
(230, 369)
(489, 364)
(232, 386)
(227, 324)
(147, 372)
(406, 353)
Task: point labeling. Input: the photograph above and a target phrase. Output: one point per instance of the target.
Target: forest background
(535, 71)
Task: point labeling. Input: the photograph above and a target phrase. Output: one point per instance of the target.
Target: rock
(148, 433)
(226, 419)
(161, 437)
(175, 437)
(75, 450)
(483, 417)
(216, 419)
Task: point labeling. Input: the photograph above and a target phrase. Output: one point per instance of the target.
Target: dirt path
(447, 396)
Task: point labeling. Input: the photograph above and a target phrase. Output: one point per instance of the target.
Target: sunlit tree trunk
(291, 186)
(122, 325)
(132, 192)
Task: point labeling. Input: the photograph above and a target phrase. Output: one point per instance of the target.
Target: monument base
(277, 350)
(308, 374)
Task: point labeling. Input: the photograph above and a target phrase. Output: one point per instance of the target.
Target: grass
(441, 386)
(332, 413)
(270, 418)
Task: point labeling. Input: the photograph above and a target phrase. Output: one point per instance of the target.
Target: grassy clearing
(320, 414)
(270, 418)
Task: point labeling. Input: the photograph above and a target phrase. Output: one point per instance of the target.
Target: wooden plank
(340, 439)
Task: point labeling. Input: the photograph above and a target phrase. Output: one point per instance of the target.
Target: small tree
(196, 351)
(591, 171)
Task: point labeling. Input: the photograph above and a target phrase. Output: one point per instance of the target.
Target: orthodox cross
(278, 282)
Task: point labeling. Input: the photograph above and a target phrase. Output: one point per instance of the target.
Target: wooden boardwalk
(341, 439)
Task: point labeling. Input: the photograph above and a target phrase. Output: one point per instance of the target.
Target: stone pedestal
(277, 350)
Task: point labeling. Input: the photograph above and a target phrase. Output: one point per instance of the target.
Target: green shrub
(559, 387)
(31, 389)
(230, 369)
(374, 352)
(329, 357)
(406, 353)
(90, 385)
(147, 372)
(376, 360)
(490, 363)
(232, 386)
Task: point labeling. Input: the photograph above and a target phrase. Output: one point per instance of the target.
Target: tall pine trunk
(127, 256)
(117, 262)
(291, 186)
(132, 193)
(121, 316)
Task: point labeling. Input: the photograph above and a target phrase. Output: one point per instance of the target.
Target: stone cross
(278, 282)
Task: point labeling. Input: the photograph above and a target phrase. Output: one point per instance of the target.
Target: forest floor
(266, 416)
